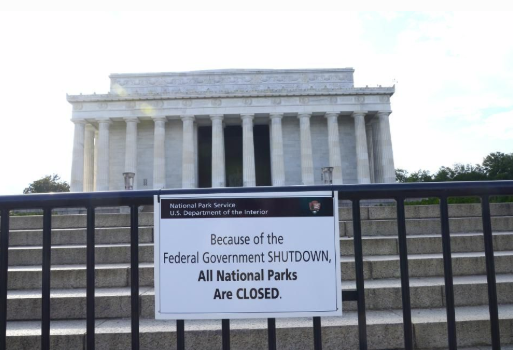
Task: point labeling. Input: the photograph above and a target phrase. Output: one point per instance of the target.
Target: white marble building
(239, 127)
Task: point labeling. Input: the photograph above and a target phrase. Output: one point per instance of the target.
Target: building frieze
(389, 91)
(119, 108)
(233, 81)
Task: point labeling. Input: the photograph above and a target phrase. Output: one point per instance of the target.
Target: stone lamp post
(327, 175)
(129, 181)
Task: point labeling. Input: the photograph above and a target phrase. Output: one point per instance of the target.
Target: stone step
(71, 303)
(76, 254)
(426, 226)
(109, 235)
(429, 292)
(379, 295)
(503, 347)
(34, 222)
(384, 330)
(425, 211)
(427, 265)
(375, 267)
(426, 244)
(74, 276)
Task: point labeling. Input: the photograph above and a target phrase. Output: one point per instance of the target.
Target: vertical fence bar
(405, 278)
(358, 262)
(90, 278)
(226, 334)
(4, 263)
(45, 297)
(490, 273)
(449, 288)
(180, 335)
(317, 333)
(271, 333)
(134, 273)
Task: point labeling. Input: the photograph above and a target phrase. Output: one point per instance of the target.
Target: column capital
(331, 115)
(247, 116)
(159, 119)
(104, 121)
(276, 115)
(217, 117)
(382, 114)
(187, 118)
(78, 121)
(304, 115)
(131, 119)
(358, 114)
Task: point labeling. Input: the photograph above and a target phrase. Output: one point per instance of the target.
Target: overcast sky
(453, 72)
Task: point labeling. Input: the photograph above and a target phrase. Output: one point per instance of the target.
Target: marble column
(334, 148)
(248, 151)
(370, 151)
(77, 165)
(196, 155)
(362, 156)
(307, 174)
(277, 157)
(376, 150)
(188, 169)
(96, 138)
(131, 146)
(159, 153)
(218, 163)
(89, 158)
(387, 154)
(103, 170)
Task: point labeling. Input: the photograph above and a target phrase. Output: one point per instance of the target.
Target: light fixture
(129, 180)
(327, 175)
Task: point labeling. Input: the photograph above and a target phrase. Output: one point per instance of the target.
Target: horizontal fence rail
(345, 192)
(353, 193)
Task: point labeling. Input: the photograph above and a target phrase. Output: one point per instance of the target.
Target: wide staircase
(382, 285)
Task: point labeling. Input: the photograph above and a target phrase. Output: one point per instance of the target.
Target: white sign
(247, 255)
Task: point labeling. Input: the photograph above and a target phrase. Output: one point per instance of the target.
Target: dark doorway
(205, 156)
(262, 155)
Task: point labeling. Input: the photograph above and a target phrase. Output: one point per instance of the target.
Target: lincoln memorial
(241, 127)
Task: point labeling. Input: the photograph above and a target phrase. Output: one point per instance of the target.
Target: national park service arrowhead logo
(314, 206)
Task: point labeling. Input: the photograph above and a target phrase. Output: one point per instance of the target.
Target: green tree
(401, 175)
(444, 174)
(499, 166)
(469, 172)
(49, 183)
(496, 166)
(420, 176)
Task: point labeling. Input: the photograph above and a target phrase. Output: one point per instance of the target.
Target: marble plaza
(239, 127)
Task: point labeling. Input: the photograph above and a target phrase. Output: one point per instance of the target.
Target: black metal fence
(353, 193)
